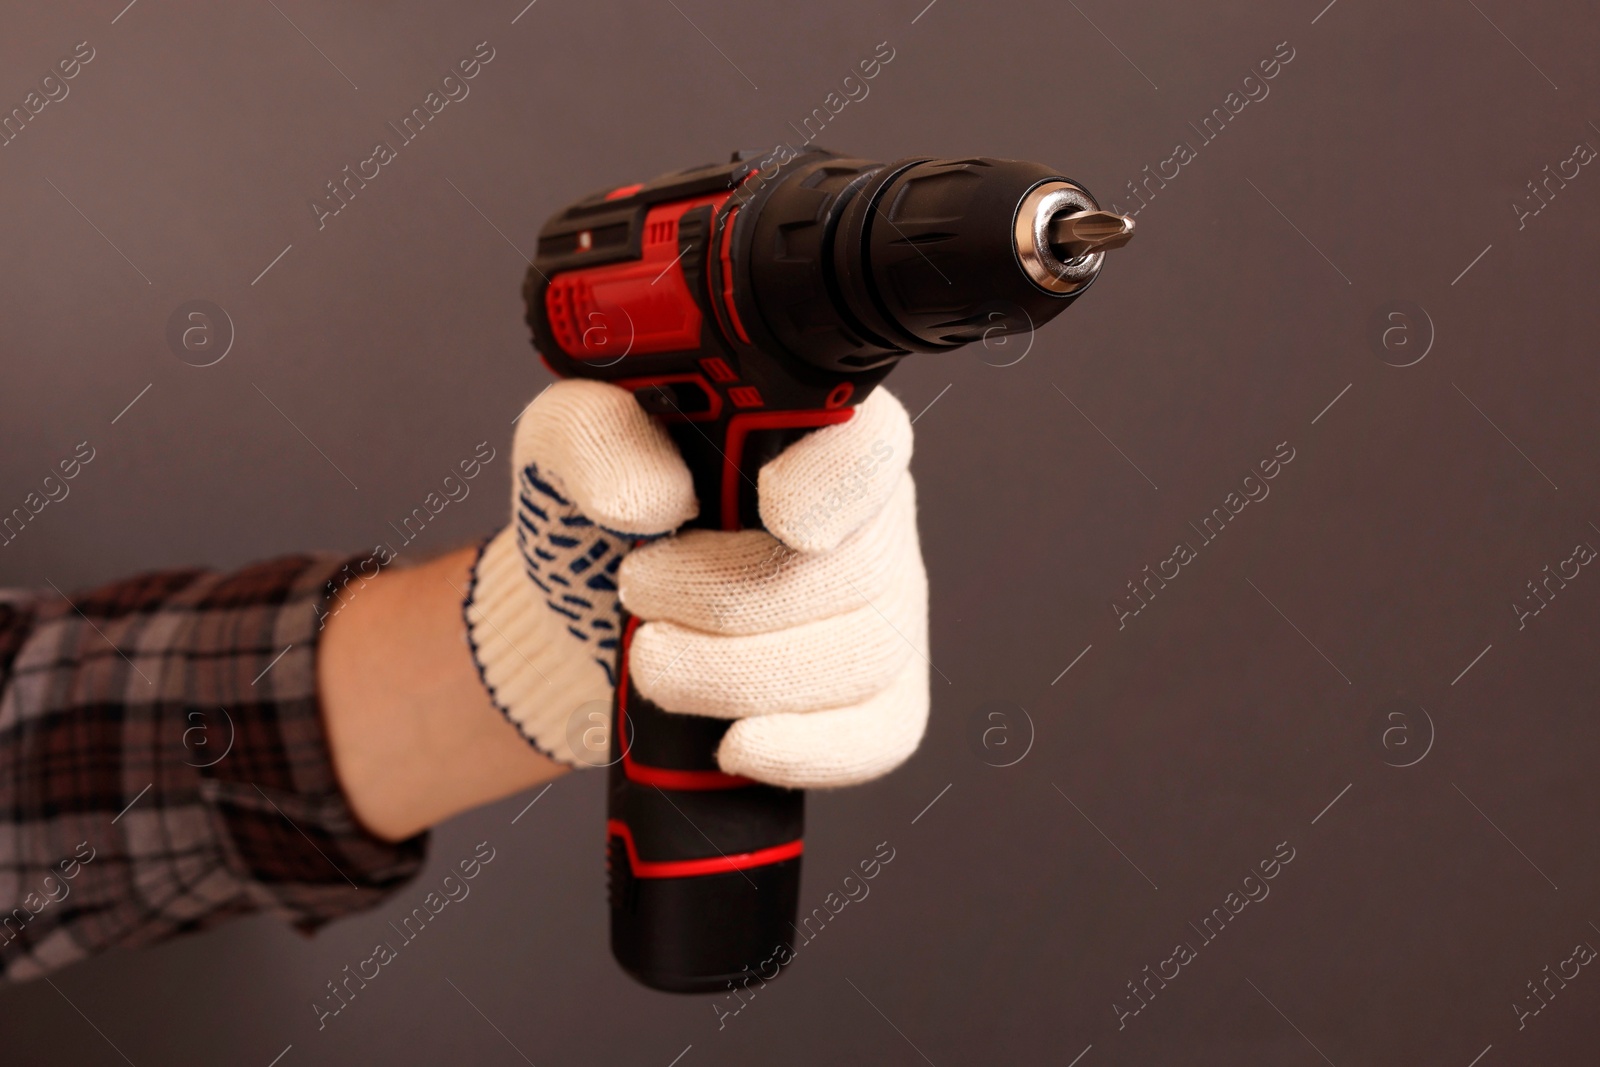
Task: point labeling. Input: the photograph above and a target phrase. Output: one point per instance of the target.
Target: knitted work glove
(813, 636)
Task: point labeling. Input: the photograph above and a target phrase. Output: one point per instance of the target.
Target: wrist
(414, 737)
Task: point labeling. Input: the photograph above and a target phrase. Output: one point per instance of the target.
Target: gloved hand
(813, 636)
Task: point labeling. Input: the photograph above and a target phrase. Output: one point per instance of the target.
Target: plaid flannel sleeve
(163, 765)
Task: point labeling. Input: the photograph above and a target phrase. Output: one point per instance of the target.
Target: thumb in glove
(592, 475)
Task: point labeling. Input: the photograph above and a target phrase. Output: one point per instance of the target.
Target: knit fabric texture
(592, 474)
(813, 637)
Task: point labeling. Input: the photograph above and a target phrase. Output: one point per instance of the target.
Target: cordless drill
(746, 304)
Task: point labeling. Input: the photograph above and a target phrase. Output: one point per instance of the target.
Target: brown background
(1197, 739)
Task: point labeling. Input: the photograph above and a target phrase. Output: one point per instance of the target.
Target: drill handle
(704, 866)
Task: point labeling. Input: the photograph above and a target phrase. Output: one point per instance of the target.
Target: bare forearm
(414, 735)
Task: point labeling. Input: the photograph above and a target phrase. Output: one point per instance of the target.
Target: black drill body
(746, 304)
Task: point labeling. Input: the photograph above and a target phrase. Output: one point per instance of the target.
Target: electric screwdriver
(746, 304)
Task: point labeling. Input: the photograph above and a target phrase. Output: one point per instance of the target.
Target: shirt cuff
(289, 834)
